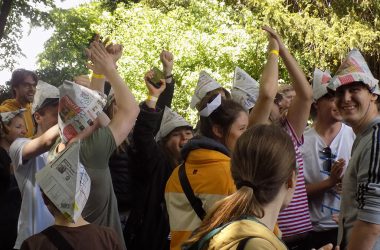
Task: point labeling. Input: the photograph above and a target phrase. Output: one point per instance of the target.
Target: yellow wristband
(97, 76)
(274, 51)
(152, 98)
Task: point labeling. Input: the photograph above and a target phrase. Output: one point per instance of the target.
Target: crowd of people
(84, 166)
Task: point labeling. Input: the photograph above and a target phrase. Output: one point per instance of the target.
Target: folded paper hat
(46, 94)
(354, 69)
(170, 121)
(245, 89)
(205, 84)
(78, 108)
(211, 107)
(6, 117)
(320, 82)
(66, 183)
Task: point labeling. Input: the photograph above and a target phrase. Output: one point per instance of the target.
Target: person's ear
(37, 117)
(217, 131)
(374, 97)
(292, 181)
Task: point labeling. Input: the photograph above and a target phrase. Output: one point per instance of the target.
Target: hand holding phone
(156, 79)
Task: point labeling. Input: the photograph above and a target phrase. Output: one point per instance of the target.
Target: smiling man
(357, 94)
(23, 84)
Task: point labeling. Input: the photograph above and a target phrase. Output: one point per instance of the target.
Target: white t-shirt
(34, 215)
(323, 206)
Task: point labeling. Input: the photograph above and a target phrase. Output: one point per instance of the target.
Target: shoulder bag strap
(195, 202)
(57, 239)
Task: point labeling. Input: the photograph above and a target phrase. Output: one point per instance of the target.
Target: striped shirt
(295, 219)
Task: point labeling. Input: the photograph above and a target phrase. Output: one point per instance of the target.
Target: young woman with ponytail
(263, 167)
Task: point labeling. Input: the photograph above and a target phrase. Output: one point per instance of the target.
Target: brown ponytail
(264, 158)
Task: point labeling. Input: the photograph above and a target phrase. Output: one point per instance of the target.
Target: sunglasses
(328, 157)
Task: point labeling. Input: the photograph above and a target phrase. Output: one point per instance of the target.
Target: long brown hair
(264, 157)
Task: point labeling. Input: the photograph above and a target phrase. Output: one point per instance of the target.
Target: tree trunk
(4, 13)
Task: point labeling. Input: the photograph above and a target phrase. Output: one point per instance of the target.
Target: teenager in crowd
(155, 157)
(206, 166)
(326, 152)
(12, 126)
(98, 143)
(28, 156)
(294, 221)
(264, 170)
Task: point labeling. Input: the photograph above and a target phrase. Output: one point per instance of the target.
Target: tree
(215, 36)
(12, 15)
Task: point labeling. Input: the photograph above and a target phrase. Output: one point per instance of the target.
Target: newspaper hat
(46, 94)
(320, 82)
(8, 116)
(245, 89)
(78, 109)
(354, 69)
(66, 183)
(205, 84)
(170, 121)
(211, 107)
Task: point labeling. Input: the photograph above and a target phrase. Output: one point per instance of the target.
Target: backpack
(201, 243)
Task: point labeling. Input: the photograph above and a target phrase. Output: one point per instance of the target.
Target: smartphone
(157, 76)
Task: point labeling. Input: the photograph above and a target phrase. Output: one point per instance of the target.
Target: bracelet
(169, 76)
(97, 76)
(152, 98)
(274, 51)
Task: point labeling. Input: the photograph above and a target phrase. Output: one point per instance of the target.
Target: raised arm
(98, 79)
(147, 122)
(40, 144)
(299, 109)
(268, 85)
(125, 117)
(166, 97)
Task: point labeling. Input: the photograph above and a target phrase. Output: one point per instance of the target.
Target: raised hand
(273, 43)
(273, 33)
(337, 171)
(166, 58)
(153, 91)
(102, 60)
(116, 50)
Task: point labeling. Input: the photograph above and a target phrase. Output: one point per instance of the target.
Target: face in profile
(238, 127)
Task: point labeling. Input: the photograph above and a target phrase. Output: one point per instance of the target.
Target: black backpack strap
(195, 202)
(57, 239)
(242, 243)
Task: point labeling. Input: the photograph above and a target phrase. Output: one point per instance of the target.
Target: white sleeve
(15, 152)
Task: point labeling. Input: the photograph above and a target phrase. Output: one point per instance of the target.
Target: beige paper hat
(170, 121)
(245, 89)
(66, 183)
(8, 116)
(205, 84)
(354, 69)
(320, 82)
(78, 108)
(45, 95)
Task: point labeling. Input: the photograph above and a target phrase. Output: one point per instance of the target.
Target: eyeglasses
(328, 157)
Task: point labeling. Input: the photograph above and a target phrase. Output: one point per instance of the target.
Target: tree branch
(4, 13)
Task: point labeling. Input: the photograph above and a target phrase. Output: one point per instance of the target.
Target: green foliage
(212, 35)
(64, 55)
(20, 10)
(5, 93)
